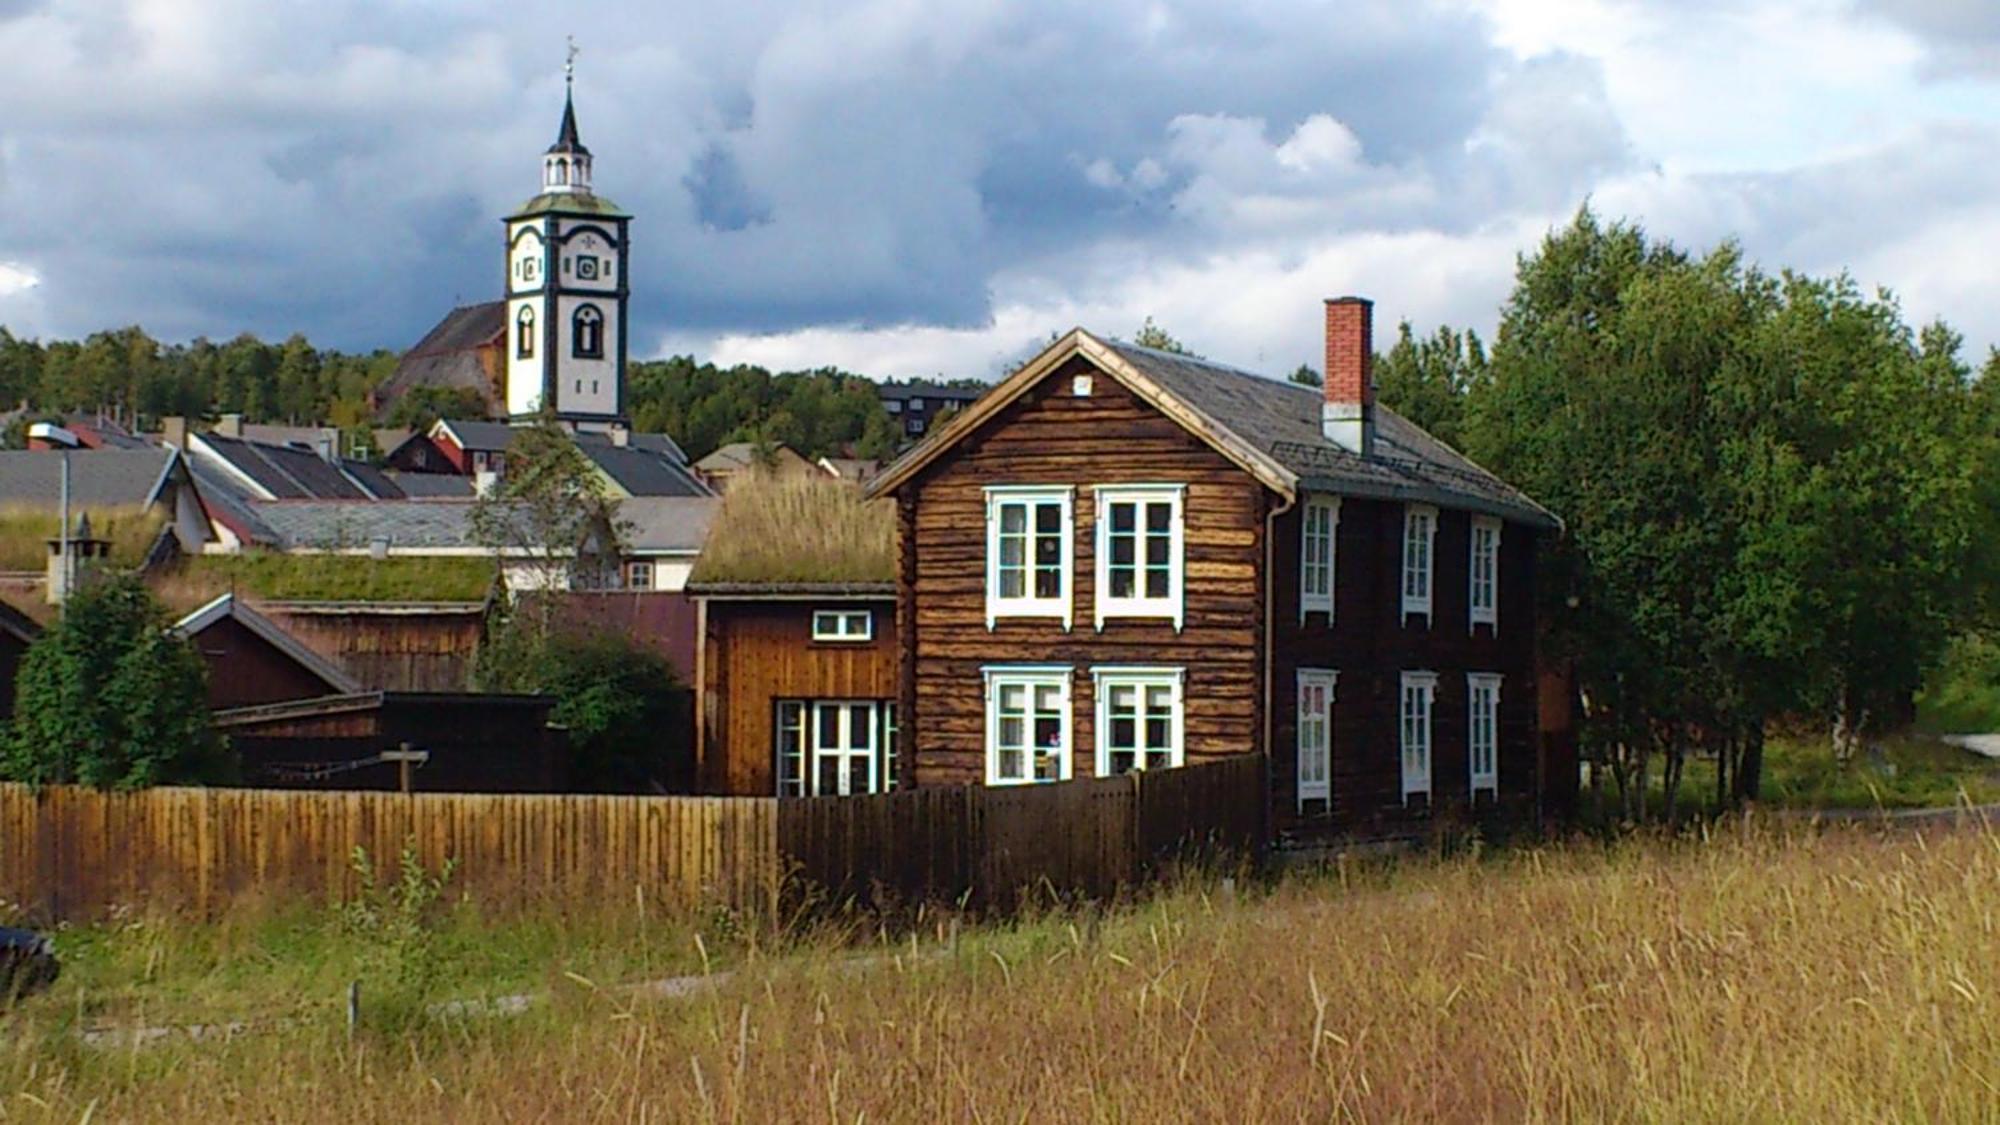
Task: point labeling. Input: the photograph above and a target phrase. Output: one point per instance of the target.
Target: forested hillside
(126, 374)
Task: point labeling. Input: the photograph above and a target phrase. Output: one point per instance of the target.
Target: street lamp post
(65, 440)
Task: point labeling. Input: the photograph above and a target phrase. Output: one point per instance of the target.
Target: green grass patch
(1903, 771)
(281, 577)
(777, 528)
(25, 532)
(1963, 696)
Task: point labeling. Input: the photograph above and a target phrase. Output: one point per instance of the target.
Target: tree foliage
(1769, 501)
(1428, 379)
(823, 412)
(1153, 336)
(552, 520)
(619, 701)
(109, 697)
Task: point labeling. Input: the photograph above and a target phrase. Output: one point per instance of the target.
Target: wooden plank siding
(1370, 644)
(69, 852)
(761, 651)
(1051, 436)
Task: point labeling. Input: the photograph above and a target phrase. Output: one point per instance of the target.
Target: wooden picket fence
(68, 852)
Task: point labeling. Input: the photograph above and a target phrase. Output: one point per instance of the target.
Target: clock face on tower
(586, 267)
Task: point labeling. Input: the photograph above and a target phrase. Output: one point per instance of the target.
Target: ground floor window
(1419, 691)
(1027, 724)
(1483, 727)
(835, 747)
(1138, 719)
(1315, 735)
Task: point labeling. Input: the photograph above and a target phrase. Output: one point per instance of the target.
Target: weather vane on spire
(569, 61)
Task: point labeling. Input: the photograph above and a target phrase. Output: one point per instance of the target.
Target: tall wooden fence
(71, 852)
(68, 851)
(987, 847)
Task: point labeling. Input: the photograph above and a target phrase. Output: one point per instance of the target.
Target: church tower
(567, 250)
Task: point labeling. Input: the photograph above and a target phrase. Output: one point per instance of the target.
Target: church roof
(566, 138)
(569, 203)
(448, 355)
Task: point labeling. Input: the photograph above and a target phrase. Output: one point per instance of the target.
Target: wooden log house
(1122, 558)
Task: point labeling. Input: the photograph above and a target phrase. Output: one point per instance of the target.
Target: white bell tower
(567, 289)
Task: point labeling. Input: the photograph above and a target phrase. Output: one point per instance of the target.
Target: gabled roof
(97, 477)
(640, 472)
(335, 525)
(740, 455)
(18, 625)
(448, 355)
(286, 472)
(472, 434)
(1269, 428)
(667, 525)
(337, 682)
(431, 486)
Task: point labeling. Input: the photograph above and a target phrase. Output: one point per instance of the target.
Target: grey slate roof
(287, 472)
(228, 503)
(643, 473)
(428, 486)
(1283, 420)
(447, 356)
(98, 477)
(332, 525)
(377, 482)
(667, 524)
(489, 437)
(940, 391)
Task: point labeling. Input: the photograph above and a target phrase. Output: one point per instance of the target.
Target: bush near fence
(69, 852)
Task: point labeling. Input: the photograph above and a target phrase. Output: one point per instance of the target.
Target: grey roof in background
(377, 482)
(1283, 420)
(448, 355)
(98, 477)
(287, 472)
(904, 391)
(423, 486)
(643, 473)
(228, 502)
(489, 437)
(657, 444)
(667, 523)
(334, 525)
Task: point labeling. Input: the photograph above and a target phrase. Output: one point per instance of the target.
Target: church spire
(566, 164)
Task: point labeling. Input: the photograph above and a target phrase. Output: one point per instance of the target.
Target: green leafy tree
(110, 697)
(1307, 376)
(1153, 336)
(422, 407)
(1429, 379)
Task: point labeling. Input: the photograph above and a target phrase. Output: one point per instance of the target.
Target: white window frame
(1327, 563)
(1420, 525)
(1171, 607)
(1416, 710)
(1482, 717)
(843, 626)
(1106, 678)
(1319, 788)
(1060, 606)
(800, 719)
(1488, 560)
(1029, 677)
(636, 567)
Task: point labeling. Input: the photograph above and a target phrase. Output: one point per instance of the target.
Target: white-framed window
(1318, 527)
(1029, 551)
(1138, 719)
(1027, 724)
(1484, 597)
(1483, 731)
(843, 625)
(1419, 693)
(1140, 549)
(1420, 522)
(892, 406)
(835, 747)
(1315, 736)
(916, 403)
(638, 575)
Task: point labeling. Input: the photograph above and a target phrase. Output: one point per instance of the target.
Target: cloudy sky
(908, 187)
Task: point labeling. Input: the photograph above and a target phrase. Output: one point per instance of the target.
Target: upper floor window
(843, 625)
(892, 406)
(1139, 552)
(1028, 552)
(524, 333)
(1419, 532)
(1317, 525)
(1485, 570)
(1483, 731)
(916, 403)
(1138, 719)
(1419, 692)
(1027, 724)
(587, 333)
(638, 575)
(1315, 734)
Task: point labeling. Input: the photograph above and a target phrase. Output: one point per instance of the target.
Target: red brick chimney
(1347, 417)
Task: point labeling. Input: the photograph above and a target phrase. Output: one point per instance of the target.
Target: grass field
(1912, 770)
(1754, 975)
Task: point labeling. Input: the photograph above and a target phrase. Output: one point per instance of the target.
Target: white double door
(844, 739)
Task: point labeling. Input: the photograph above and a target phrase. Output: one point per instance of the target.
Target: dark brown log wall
(762, 651)
(1371, 644)
(246, 669)
(1052, 437)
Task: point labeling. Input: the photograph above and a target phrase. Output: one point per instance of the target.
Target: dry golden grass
(1810, 977)
(794, 527)
(25, 532)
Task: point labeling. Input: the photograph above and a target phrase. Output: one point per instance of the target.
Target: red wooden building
(1123, 558)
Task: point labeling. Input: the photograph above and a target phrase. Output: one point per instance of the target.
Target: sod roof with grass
(800, 532)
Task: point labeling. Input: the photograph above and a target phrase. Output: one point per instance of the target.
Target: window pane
(860, 736)
(1011, 764)
(1159, 733)
(1048, 732)
(1013, 519)
(1122, 582)
(1048, 550)
(1013, 698)
(1159, 550)
(1159, 517)
(1122, 733)
(1012, 731)
(1122, 550)
(1159, 698)
(1048, 697)
(1013, 551)
(1158, 583)
(826, 776)
(1123, 518)
(1013, 584)
(1048, 519)
(1048, 583)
